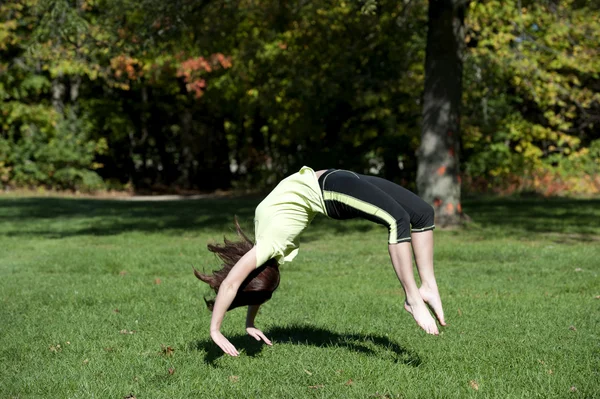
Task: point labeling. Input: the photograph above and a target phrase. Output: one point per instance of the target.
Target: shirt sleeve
(264, 252)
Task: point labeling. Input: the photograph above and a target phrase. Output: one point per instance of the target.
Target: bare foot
(422, 316)
(432, 298)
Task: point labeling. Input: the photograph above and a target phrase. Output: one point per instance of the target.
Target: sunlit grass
(97, 299)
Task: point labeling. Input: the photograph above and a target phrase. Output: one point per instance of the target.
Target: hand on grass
(224, 343)
(258, 335)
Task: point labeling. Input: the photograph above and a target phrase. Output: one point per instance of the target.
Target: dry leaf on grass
(157, 281)
(572, 328)
(171, 371)
(167, 350)
(130, 396)
(597, 297)
(234, 378)
(349, 382)
(573, 388)
(316, 386)
(116, 310)
(86, 361)
(550, 372)
(474, 385)
(122, 273)
(55, 348)
(127, 332)
(307, 372)
(459, 312)
(579, 269)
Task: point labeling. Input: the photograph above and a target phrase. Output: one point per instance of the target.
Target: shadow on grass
(66, 217)
(577, 217)
(369, 344)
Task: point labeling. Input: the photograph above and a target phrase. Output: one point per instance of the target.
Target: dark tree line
(200, 95)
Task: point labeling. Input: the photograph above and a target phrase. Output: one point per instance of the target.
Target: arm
(227, 292)
(250, 329)
(252, 312)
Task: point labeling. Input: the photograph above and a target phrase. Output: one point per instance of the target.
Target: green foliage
(42, 140)
(60, 155)
(330, 85)
(532, 94)
(203, 95)
(369, 7)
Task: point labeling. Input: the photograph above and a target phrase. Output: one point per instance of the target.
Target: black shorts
(351, 195)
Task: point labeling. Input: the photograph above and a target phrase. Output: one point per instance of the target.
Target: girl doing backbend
(250, 271)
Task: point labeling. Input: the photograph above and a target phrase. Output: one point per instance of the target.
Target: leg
(422, 244)
(414, 304)
(421, 219)
(420, 212)
(348, 196)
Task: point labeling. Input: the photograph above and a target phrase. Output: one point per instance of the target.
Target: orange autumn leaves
(126, 65)
(192, 70)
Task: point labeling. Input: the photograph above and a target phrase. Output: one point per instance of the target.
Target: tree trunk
(75, 84)
(142, 143)
(58, 93)
(438, 179)
(186, 144)
(220, 149)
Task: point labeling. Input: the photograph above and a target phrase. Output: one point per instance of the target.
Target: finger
(255, 336)
(225, 349)
(267, 341)
(228, 348)
(232, 351)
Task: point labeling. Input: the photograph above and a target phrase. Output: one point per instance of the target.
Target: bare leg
(402, 260)
(422, 244)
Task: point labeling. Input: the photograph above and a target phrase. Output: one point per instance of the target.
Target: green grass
(518, 284)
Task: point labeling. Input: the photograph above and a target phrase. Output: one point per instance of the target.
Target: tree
(532, 97)
(199, 95)
(438, 179)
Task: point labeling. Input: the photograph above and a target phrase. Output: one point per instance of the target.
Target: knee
(425, 216)
(428, 212)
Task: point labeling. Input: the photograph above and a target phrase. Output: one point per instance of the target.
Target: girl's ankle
(429, 286)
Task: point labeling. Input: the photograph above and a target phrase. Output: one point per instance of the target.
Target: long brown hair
(257, 288)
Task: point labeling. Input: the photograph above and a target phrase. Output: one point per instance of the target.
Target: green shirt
(284, 214)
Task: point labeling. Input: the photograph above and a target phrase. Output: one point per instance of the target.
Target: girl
(250, 271)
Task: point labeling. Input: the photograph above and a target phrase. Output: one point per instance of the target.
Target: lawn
(98, 300)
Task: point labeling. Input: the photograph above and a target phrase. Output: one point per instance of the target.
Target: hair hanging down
(257, 288)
